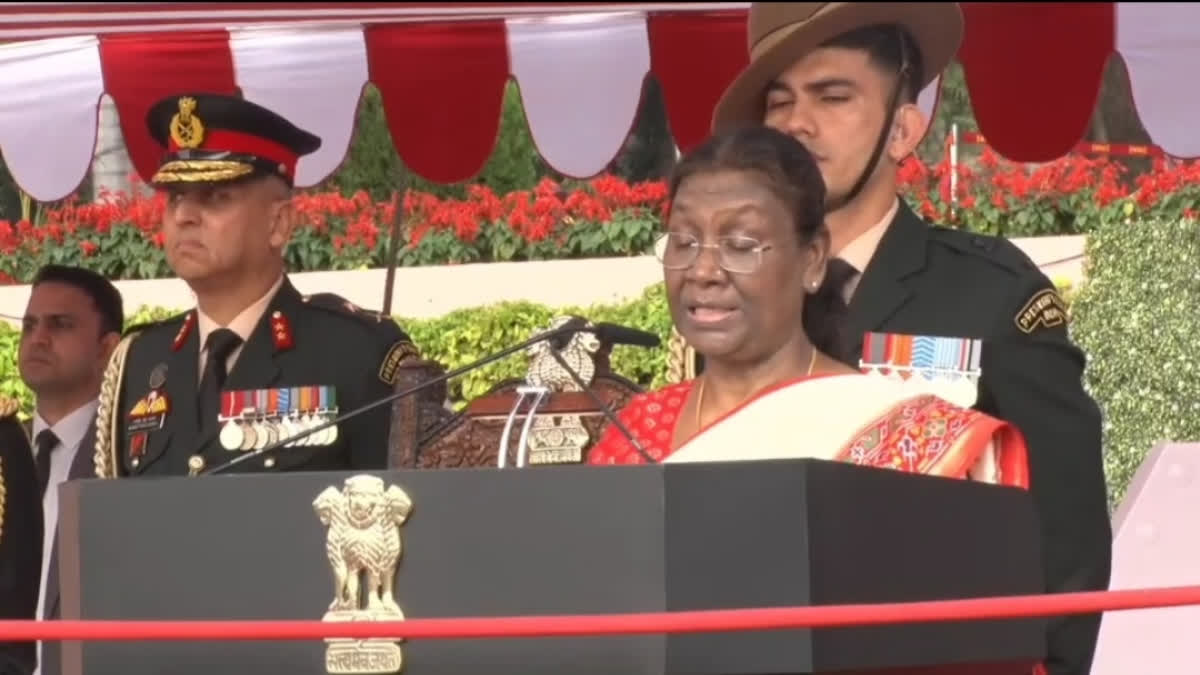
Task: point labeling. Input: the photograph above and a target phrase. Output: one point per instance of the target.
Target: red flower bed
(1068, 196)
(119, 235)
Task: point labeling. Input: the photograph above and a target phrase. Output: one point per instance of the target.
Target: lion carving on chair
(363, 540)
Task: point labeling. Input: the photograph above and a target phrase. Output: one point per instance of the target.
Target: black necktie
(840, 273)
(46, 442)
(220, 345)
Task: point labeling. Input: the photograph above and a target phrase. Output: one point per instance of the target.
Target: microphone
(560, 334)
(608, 413)
(622, 335)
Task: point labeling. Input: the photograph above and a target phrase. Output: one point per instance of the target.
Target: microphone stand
(538, 394)
(568, 328)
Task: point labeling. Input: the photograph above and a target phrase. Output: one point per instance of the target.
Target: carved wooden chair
(566, 424)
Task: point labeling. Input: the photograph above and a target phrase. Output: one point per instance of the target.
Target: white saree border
(808, 418)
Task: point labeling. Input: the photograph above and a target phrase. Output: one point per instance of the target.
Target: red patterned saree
(851, 418)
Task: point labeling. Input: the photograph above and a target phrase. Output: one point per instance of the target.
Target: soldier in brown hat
(843, 78)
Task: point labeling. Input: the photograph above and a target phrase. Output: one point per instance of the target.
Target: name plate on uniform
(252, 419)
(943, 366)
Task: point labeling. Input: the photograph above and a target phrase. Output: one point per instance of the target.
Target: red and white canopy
(1033, 71)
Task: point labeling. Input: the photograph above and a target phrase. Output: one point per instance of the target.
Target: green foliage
(1135, 319)
(10, 378)
(463, 336)
(515, 163)
(649, 152)
(460, 337)
(954, 107)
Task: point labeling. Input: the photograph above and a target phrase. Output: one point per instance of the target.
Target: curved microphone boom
(556, 336)
(608, 413)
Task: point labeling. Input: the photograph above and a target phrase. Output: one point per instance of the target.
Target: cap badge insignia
(186, 128)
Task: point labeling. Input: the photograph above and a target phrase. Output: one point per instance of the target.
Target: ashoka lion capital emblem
(364, 547)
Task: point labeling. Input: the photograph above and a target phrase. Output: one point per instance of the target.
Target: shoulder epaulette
(338, 305)
(399, 346)
(995, 249)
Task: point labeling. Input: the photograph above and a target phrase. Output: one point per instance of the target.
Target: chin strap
(889, 117)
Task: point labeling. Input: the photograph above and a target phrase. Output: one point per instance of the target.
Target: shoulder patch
(400, 352)
(1045, 309)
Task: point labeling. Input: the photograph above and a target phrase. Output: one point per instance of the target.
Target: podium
(553, 540)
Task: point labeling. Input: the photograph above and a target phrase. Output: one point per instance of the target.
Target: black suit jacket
(300, 342)
(926, 280)
(81, 467)
(20, 542)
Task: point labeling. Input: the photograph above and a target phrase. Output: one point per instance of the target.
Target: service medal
(261, 437)
(298, 427)
(308, 421)
(249, 438)
(231, 436)
(964, 392)
(272, 431)
(323, 435)
(286, 430)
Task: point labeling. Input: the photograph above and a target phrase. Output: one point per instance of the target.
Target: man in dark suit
(71, 324)
(20, 538)
(843, 78)
(255, 362)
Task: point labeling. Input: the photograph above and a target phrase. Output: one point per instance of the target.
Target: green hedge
(1136, 318)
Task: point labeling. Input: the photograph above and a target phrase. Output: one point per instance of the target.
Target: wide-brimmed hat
(781, 33)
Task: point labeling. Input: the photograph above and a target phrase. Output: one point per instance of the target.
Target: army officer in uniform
(254, 362)
(20, 537)
(843, 79)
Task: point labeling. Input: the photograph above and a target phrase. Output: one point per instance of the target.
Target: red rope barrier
(613, 624)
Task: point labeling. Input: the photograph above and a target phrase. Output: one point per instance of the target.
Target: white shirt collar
(860, 251)
(71, 429)
(244, 323)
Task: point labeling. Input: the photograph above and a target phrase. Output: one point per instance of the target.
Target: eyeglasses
(739, 255)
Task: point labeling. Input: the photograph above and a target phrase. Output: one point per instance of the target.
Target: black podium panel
(561, 540)
(808, 532)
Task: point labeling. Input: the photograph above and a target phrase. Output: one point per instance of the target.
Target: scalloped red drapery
(1033, 73)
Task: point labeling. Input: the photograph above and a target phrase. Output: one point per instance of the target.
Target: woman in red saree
(750, 286)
